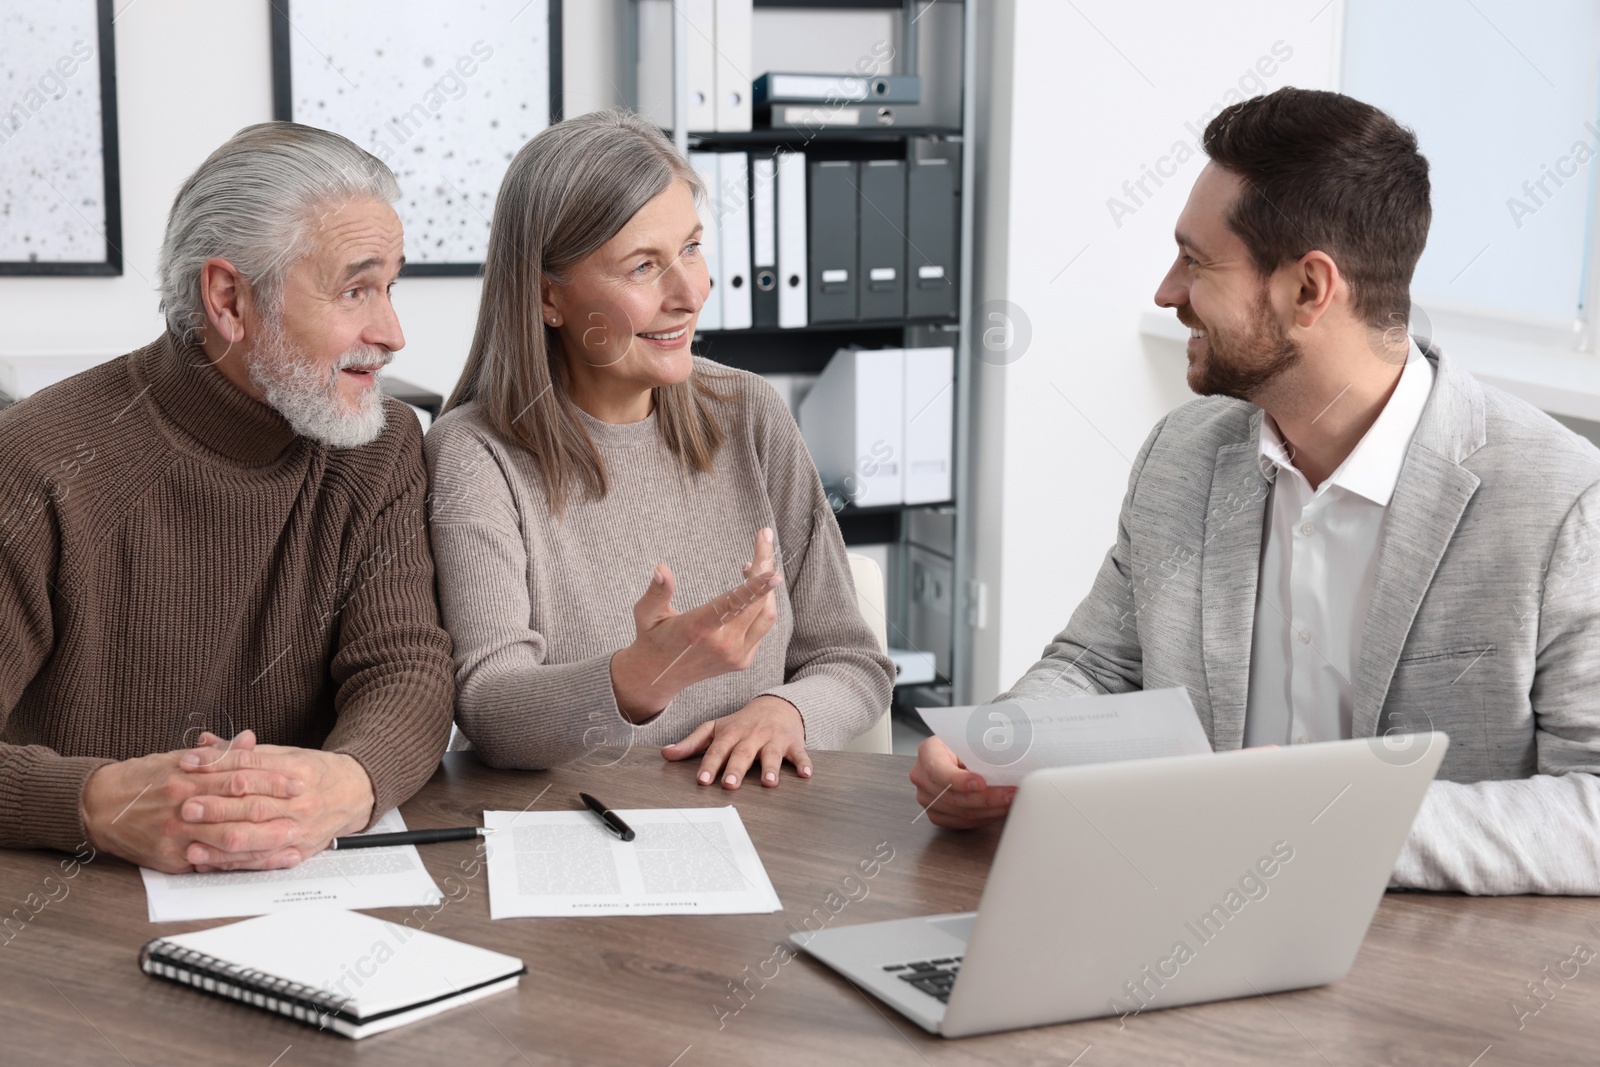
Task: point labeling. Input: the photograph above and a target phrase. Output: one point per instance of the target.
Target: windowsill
(1554, 379)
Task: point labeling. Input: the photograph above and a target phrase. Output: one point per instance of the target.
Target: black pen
(607, 816)
(410, 837)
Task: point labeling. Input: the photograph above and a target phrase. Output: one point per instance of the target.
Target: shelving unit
(799, 138)
(930, 559)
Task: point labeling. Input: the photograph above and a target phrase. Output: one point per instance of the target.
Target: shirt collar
(1372, 468)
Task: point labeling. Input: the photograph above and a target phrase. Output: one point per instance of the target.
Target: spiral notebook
(333, 969)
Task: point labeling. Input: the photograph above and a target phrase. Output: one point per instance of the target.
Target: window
(1505, 101)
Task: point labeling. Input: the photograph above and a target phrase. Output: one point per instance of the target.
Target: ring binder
(222, 979)
(299, 963)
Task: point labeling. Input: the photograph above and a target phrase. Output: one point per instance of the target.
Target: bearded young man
(220, 536)
(1371, 542)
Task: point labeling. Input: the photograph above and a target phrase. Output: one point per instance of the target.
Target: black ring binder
(320, 1006)
(222, 979)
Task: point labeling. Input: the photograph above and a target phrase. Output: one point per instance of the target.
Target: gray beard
(308, 398)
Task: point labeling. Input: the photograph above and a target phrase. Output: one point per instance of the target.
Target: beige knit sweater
(174, 558)
(536, 606)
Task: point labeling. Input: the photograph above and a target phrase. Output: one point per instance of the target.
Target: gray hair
(251, 202)
(567, 192)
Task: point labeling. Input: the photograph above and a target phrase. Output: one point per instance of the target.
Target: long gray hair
(252, 203)
(569, 191)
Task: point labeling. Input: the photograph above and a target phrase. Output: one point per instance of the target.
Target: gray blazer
(1484, 620)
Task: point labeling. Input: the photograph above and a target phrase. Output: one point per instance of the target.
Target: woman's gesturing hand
(674, 650)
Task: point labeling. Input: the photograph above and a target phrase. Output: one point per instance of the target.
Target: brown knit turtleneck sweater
(174, 558)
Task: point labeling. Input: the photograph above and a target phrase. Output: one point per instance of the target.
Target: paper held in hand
(1005, 741)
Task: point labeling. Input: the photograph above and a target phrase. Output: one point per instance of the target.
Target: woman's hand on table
(769, 729)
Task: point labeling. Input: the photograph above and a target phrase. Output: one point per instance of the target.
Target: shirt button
(1308, 529)
(1305, 637)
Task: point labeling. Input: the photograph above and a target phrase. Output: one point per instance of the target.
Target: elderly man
(219, 642)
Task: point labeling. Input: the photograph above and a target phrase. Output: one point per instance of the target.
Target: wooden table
(1434, 983)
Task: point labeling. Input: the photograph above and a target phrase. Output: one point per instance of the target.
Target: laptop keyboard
(933, 977)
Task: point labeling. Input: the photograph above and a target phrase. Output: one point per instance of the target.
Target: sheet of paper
(392, 877)
(682, 861)
(1005, 741)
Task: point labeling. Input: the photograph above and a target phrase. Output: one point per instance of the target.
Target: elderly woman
(590, 471)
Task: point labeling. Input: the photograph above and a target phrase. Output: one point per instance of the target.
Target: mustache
(362, 356)
(365, 356)
(1187, 317)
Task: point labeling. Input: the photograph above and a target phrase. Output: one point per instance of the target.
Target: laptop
(1120, 888)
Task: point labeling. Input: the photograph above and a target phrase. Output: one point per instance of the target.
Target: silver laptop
(1121, 888)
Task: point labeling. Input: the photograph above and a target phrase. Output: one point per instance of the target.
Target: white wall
(189, 74)
(1097, 91)
(1076, 99)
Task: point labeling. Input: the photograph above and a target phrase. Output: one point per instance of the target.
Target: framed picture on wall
(60, 207)
(445, 94)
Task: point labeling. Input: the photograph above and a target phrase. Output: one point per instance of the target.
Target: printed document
(390, 877)
(682, 861)
(1005, 741)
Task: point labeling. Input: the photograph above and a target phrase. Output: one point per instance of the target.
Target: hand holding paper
(967, 772)
(952, 796)
(1003, 742)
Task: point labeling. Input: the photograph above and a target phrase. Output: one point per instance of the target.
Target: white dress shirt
(1319, 557)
